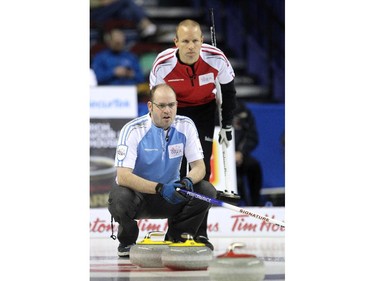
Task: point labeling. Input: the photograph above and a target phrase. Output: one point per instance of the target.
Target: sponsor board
(113, 102)
(111, 107)
(221, 223)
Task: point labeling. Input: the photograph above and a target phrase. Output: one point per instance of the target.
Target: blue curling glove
(169, 193)
(187, 184)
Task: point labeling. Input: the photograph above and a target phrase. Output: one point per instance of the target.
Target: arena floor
(105, 265)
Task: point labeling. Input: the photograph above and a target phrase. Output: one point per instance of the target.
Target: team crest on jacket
(206, 79)
(175, 150)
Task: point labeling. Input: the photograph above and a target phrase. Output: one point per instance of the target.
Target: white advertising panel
(221, 223)
(113, 102)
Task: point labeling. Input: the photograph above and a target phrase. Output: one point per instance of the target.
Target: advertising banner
(111, 107)
(221, 223)
(113, 102)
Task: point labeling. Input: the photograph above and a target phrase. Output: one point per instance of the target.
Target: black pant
(127, 205)
(204, 119)
(251, 171)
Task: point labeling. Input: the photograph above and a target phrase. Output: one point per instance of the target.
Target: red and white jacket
(194, 85)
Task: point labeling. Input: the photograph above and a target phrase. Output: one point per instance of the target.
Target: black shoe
(123, 250)
(204, 240)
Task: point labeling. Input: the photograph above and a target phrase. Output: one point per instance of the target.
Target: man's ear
(149, 106)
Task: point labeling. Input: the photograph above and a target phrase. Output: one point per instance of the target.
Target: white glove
(225, 135)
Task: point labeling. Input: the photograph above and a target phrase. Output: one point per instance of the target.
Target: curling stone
(188, 255)
(233, 266)
(147, 253)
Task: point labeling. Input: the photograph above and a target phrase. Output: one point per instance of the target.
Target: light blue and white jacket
(154, 153)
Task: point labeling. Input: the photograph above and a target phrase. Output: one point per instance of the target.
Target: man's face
(189, 42)
(117, 42)
(163, 108)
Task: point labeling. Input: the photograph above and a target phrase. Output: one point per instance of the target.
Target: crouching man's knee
(122, 203)
(205, 188)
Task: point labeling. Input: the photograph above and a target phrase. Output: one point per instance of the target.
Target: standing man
(191, 69)
(148, 157)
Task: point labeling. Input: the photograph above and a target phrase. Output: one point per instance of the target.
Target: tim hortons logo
(144, 225)
(240, 225)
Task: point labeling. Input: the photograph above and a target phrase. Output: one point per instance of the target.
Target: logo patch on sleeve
(121, 152)
(176, 150)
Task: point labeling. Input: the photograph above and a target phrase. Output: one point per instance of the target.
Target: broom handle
(229, 206)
